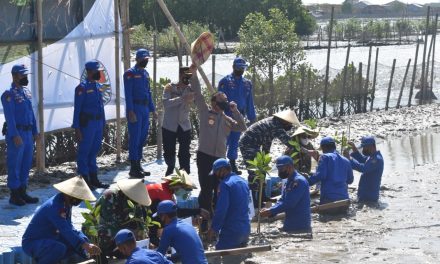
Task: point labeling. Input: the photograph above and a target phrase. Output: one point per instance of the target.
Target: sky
(376, 2)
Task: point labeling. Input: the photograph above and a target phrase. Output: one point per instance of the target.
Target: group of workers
(130, 210)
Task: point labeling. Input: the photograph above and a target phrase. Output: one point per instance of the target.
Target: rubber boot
(234, 167)
(88, 181)
(28, 199)
(145, 173)
(15, 198)
(135, 171)
(95, 182)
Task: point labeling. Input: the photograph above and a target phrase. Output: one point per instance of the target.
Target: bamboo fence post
(374, 80)
(359, 91)
(434, 36)
(40, 144)
(403, 83)
(327, 68)
(213, 70)
(352, 93)
(118, 81)
(367, 81)
(427, 60)
(411, 88)
(390, 84)
(422, 87)
(344, 82)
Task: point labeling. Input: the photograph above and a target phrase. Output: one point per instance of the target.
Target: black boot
(135, 171)
(95, 182)
(234, 167)
(28, 199)
(89, 182)
(16, 198)
(145, 173)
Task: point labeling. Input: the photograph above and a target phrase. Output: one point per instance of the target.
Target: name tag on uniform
(90, 91)
(138, 76)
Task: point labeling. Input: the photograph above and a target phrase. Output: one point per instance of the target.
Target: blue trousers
(138, 133)
(228, 240)
(19, 159)
(232, 143)
(89, 147)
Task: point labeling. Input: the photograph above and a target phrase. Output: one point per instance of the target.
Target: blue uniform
(295, 202)
(20, 119)
(138, 99)
(146, 256)
(371, 168)
(185, 240)
(238, 90)
(231, 217)
(50, 236)
(335, 173)
(89, 117)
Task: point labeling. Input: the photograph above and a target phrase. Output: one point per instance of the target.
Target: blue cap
(19, 68)
(368, 141)
(166, 207)
(327, 141)
(284, 160)
(123, 236)
(142, 54)
(239, 62)
(218, 164)
(93, 65)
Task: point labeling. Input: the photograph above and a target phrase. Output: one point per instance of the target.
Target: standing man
(237, 89)
(126, 243)
(231, 217)
(295, 199)
(370, 164)
(177, 100)
(139, 103)
(50, 236)
(179, 235)
(89, 122)
(214, 129)
(20, 135)
(334, 172)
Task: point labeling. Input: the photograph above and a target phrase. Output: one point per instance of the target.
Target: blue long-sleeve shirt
(232, 210)
(52, 220)
(137, 90)
(295, 202)
(146, 256)
(335, 173)
(239, 90)
(371, 168)
(185, 240)
(89, 101)
(17, 108)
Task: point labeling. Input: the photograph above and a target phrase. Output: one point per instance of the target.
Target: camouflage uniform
(303, 161)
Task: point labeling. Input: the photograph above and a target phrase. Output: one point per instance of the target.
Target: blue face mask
(182, 194)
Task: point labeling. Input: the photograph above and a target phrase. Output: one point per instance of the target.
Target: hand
(212, 235)
(155, 115)
(92, 249)
(353, 146)
(78, 135)
(265, 212)
(314, 154)
(18, 141)
(188, 98)
(233, 106)
(346, 153)
(132, 117)
(205, 214)
(193, 68)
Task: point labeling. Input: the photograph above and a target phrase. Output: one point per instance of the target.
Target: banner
(63, 67)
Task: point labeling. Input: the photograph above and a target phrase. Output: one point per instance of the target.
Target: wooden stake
(118, 81)
(327, 67)
(158, 102)
(367, 81)
(422, 87)
(40, 144)
(403, 84)
(434, 36)
(359, 91)
(374, 80)
(390, 84)
(413, 80)
(125, 23)
(344, 82)
(213, 71)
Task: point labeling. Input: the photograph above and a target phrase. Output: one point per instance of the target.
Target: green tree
(269, 44)
(347, 7)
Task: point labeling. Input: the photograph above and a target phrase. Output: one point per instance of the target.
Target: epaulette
(128, 74)
(7, 95)
(79, 89)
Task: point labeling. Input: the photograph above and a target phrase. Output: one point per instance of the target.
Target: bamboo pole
(403, 83)
(125, 23)
(305, 112)
(183, 40)
(427, 60)
(213, 70)
(344, 82)
(434, 36)
(422, 87)
(413, 80)
(301, 96)
(352, 89)
(40, 144)
(291, 86)
(359, 92)
(160, 112)
(367, 81)
(374, 80)
(327, 67)
(118, 81)
(390, 84)
(179, 55)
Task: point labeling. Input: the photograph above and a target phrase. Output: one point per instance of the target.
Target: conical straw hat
(202, 48)
(305, 130)
(288, 116)
(181, 178)
(76, 187)
(135, 190)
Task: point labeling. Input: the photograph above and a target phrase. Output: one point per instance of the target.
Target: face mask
(97, 76)
(182, 193)
(365, 152)
(142, 64)
(24, 81)
(304, 141)
(223, 105)
(185, 80)
(284, 174)
(287, 127)
(238, 72)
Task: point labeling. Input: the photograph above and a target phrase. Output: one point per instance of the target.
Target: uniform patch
(90, 91)
(137, 76)
(8, 98)
(211, 120)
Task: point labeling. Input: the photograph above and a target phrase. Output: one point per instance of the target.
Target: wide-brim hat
(180, 178)
(135, 190)
(76, 187)
(306, 130)
(288, 116)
